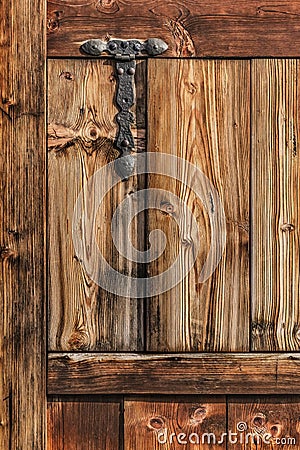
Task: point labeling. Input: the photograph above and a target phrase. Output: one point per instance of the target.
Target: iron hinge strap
(124, 52)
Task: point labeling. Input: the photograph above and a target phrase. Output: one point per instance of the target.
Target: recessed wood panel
(200, 111)
(275, 205)
(83, 424)
(196, 423)
(81, 134)
(192, 29)
(262, 422)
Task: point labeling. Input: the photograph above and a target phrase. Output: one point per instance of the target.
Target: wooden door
(199, 363)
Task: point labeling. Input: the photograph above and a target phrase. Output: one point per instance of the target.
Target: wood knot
(53, 21)
(167, 207)
(107, 6)
(156, 423)
(67, 75)
(7, 253)
(259, 420)
(198, 415)
(287, 227)
(257, 330)
(79, 340)
(275, 430)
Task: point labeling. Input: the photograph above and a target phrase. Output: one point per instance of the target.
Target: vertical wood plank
(275, 206)
(199, 111)
(83, 424)
(22, 212)
(81, 133)
(272, 422)
(174, 424)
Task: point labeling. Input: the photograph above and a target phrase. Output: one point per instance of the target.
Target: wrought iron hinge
(124, 52)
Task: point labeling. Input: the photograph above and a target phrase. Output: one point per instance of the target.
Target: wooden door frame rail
(206, 373)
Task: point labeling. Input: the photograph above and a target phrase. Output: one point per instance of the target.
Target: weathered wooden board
(174, 423)
(22, 225)
(272, 422)
(225, 373)
(199, 111)
(81, 132)
(83, 424)
(208, 28)
(275, 205)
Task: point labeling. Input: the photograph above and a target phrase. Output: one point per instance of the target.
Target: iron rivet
(120, 71)
(125, 143)
(124, 44)
(155, 46)
(131, 71)
(113, 46)
(137, 47)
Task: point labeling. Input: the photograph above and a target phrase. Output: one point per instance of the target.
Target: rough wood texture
(81, 133)
(173, 424)
(274, 422)
(83, 424)
(207, 28)
(200, 111)
(275, 206)
(238, 373)
(22, 237)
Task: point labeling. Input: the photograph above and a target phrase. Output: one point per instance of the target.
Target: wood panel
(203, 29)
(225, 373)
(22, 237)
(172, 424)
(275, 206)
(83, 424)
(272, 422)
(199, 111)
(82, 130)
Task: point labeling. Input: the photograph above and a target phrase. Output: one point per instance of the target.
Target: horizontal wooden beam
(214, 28)
(218, 373)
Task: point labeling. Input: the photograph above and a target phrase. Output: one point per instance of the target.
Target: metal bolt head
(155, 47)
(120, 71)
(131, 71)
(124, 44)
(125, 143)
(137, 47)
(112, 46)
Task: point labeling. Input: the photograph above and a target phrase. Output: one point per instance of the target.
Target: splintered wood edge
(134, 373)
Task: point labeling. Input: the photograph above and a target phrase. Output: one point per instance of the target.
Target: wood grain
(275, 206)
(225, 373)
(274, 421)
(191, 29)
(199, 111)
(173, 423)
(22, 226)
(81, 133)
(83, 424)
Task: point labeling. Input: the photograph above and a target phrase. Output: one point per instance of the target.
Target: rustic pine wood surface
(81, 132)
(22, 226)
(275, 205)
(200, 111)
(191, 28)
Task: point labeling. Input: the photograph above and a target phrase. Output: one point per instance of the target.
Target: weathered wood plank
(201, 29)
(235, 373)
(82, 129)
(199, 111)
(275, 205)
(83, 424)
(151, 423)
(273, 422)
(22, 225)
